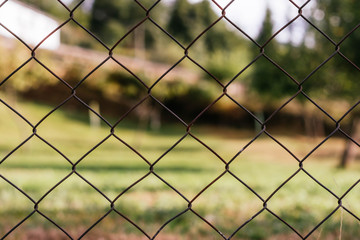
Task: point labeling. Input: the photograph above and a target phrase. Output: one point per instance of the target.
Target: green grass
(189, 167)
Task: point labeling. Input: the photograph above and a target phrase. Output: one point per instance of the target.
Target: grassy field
(112, 167)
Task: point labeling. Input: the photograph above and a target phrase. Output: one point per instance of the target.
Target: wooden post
(95, 121)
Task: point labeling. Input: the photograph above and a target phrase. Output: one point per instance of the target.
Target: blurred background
(268, 90)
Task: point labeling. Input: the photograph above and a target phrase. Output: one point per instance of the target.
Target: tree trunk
(350, 150)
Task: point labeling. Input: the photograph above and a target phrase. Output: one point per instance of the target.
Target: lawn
(122, 185)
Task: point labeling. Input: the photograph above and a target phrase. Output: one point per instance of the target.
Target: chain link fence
(187, 132)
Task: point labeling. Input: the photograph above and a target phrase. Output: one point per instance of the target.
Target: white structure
(29, 24)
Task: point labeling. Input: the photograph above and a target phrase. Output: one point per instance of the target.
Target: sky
(249, 15)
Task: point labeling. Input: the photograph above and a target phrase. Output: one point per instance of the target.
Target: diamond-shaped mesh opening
(147, 42)
(261, 170)
(183, 171)
(209, 54)
(327, 157)
(35, 167)
(225, 68)
(150, 204)
(74, 205)
(120, 89)
(309, 128)
(301, 208)
(240, 205)
(272, 83)
(210, 128)
(145, 122)
(106, 25)
(112, 167)
(63, 139)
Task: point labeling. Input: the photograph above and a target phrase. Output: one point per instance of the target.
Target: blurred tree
(181, 22)
(336, 80)
(188, 20)
(338, 19)
(110, 20)
(272, 84)
(268, 80)
(218, 49)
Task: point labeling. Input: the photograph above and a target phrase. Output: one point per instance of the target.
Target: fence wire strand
(266, 207)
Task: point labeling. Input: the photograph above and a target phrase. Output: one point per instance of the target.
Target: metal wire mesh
(187, 125)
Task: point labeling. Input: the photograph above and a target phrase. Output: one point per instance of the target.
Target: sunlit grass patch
(111, 178)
